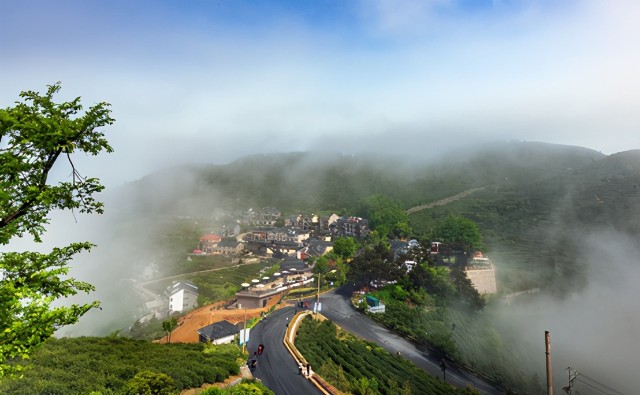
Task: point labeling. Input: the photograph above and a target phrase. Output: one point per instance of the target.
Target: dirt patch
(186, 332)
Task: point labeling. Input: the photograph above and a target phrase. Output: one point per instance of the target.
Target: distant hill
(301, 181)
(537, 201)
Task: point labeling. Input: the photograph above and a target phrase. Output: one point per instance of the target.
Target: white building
(183, 296)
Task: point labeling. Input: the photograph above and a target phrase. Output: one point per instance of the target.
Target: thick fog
(117, 258)
(593, 329)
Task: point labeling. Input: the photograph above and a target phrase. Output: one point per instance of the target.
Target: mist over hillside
(561, 219)
(330, 180)
(536, 200)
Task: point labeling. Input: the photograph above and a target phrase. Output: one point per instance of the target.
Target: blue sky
(210, 81)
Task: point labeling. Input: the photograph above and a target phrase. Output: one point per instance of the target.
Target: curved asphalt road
(336, 305)
(276, 368)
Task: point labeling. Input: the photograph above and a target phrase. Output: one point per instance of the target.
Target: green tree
(345, 247)
(320, 265)
(150, 383)
(374, 264)
(385, 216)
(458, 232)
(338, 269)
(434, 280)
(466, 289)
(168, 326)
(34, 135)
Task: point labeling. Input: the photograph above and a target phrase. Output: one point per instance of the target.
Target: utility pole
(572, 376)
(443, 367)
(244, 330)
(317, 307)
(547, 343)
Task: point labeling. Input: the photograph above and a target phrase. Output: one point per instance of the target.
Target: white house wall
(224, 340)
(176, 301)
(182, 301)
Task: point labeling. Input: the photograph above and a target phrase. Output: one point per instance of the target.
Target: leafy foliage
(168, 327)
(460, 233)
(150, 383)
(34, 135)
(109, 366)
(466, 290)
(374, 263)
(385, 216)
(245, 387)
(345, 247)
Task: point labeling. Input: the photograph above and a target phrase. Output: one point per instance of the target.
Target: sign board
(244, 334)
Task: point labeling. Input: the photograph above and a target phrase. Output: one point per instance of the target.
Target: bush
(362, 364)
(108, 365)
(150, 383)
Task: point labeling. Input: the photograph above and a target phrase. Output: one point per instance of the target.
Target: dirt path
(444, 201)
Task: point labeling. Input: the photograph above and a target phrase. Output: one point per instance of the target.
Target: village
(295, 245)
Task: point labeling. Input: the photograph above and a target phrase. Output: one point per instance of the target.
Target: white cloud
(209, 91)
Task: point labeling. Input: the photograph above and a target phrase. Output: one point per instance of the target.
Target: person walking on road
(300, 368)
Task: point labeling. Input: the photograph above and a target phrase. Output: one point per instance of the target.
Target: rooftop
(218, 330)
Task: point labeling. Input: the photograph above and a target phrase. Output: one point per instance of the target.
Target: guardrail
(289, 339)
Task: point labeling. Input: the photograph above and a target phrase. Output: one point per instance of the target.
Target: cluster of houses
(298, 238)
(301, 235)
(216, 244)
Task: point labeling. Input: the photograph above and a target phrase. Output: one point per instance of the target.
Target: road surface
(276, 368)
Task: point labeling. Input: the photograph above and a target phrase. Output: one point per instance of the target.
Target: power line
(601, 384)
(593, 386)
(575, 375)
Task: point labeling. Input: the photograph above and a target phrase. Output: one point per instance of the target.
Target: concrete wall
(253, 302)
(182, 301)
(483, 280)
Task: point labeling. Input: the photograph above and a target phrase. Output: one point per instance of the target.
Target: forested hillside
(534, 196)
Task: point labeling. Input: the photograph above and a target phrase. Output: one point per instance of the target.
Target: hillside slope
(534, 197)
